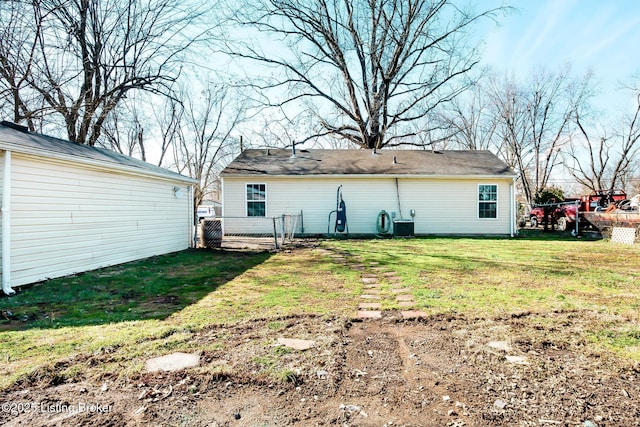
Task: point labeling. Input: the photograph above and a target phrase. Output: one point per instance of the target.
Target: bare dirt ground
(442, 371)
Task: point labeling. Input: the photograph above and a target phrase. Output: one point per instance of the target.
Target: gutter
(100, 164)
(6, 225)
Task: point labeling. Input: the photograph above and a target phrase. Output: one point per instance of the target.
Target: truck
(562, 215)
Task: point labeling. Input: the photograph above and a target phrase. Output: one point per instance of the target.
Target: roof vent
(293, 149)
(15, 126)
(395, 160)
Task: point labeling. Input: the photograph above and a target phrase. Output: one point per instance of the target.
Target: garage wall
(442, 206)
(68, 218)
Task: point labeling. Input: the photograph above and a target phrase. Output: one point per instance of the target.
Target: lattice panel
(623, 235)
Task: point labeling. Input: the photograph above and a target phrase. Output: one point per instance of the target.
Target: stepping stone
(406, 304)
(373, 290)
(394, 279)
(369, 296)
(296, 344)
(371, 286)
(518, 360)
(412, 314)
(369, 305)
(400, 290)
(375, 276)
(389, 273)
(369, 280)
(369, 314)
(404, 297)
(358, 267)
(173, 362)
(500, 346)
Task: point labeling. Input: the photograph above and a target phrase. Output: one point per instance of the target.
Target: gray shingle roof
(279, 162)
(17, 138)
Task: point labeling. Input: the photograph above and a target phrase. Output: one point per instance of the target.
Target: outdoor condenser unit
(403, 227)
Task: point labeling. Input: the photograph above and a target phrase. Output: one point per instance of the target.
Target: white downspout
(6, 225)
(514, 208)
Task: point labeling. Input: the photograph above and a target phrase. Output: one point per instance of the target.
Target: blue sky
(601, 36)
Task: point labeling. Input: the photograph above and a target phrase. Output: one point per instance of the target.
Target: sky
(601, 36)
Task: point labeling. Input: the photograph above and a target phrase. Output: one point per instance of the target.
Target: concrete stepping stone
(400, 290)
(404, 297)
(389, 273)
(369, 305)
(173, 362)
(369, 280)
(373, 290)
(369, 296)
(296, 344)
(406, 304)
(412, 314)
(369, 314)
(517, 360)
(371, 286)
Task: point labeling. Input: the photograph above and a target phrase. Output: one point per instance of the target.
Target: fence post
(275, 232)
(301, 223)
(284, 231)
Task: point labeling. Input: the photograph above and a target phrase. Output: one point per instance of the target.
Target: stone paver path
(379, 287)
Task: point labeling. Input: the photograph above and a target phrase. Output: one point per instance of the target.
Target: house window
(256, 200)
(487, 201)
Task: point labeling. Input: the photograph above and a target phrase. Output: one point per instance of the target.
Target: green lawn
(152, 307)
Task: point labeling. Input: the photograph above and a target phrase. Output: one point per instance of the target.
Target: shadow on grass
(153, 288)
(556, 235)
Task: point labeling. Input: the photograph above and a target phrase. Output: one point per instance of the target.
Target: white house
(459, 192)
(69, 208)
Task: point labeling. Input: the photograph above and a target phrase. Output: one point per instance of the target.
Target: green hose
(383, 230)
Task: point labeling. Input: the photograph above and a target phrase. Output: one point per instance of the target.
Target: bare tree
(78, 59)
(535, 123)
(207, 140)
(470, 121)
(368, 69)
(608, 160)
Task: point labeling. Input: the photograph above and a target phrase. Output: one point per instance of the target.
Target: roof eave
(91, 162)
(343, 176)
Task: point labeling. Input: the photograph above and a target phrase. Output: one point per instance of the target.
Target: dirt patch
(389, 372)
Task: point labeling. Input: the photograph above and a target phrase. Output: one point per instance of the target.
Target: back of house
(460, 192)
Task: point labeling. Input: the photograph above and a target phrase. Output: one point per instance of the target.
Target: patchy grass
(122, 315)
(154, 306)
(479, 277)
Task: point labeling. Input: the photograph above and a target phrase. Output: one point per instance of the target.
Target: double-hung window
(487, 201)
(256, 199)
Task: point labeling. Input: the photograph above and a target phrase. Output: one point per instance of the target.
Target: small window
(256, 200)
(487, 201)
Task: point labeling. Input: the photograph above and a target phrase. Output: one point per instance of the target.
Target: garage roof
(17, 138)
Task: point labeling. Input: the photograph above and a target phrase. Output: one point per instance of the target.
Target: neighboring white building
(69, 208)
(443, 192)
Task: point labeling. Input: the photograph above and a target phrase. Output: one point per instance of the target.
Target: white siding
(67, 218)
(442, 206)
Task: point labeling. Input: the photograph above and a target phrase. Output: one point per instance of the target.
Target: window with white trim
(256, 199)
(487, 201)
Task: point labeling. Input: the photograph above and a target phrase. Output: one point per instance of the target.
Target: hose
(383, 230)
